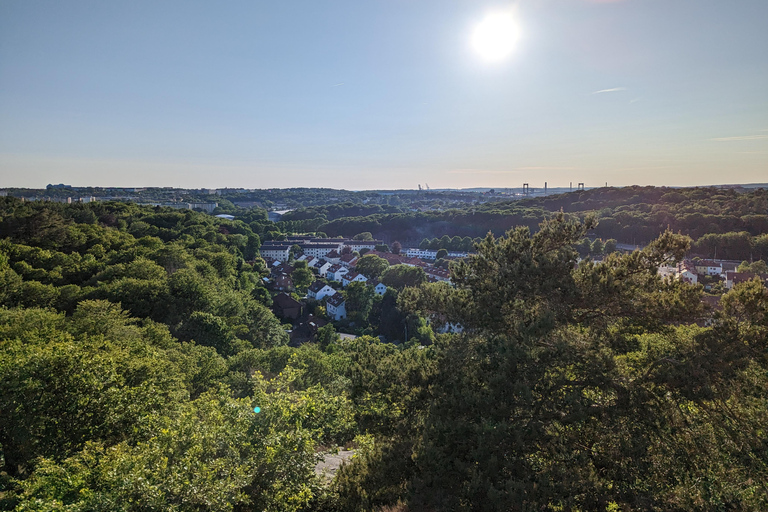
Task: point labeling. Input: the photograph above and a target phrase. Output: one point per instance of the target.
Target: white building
(275, 250)
(335, 272)
(378, 287)
(352, 277)
(421, 253)
(322, 267)
(319, 290)
(319, 249)
(336, 307)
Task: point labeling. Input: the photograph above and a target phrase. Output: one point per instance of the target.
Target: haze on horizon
(382, 94)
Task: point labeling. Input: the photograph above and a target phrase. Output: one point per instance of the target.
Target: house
(352, 277)
(728, 265)
(280, 268)
(282, 282)
(336, 306)
(306, 331)
(322, 267)
(333, 256)
(335, 272)
(709, 268)
(318, 290)
(285, 306)
(348, 260)
(686, 272)
(378, 287)
(667, 271)
(438, 274)
(734, 278)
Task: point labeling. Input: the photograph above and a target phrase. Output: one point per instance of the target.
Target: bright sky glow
(495, 37)
(383, 93)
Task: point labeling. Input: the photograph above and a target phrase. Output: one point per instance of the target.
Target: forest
(724, 223)
(142, 369)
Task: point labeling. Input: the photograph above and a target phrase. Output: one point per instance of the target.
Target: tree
(211, 331)
(396, 247)
(400, 276)
(371, 266)
(597, 247)
(757, 267)
(535, 407)
(382, 248)
(610, 246)
(359, 302)
(442, 253)
(302, 277)
(364, 236)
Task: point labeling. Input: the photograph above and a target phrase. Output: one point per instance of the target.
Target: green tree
(371, 266)
(359, 302)
(302, 277)
(400, 276)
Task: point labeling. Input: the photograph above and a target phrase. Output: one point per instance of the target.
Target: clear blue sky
(381, 93)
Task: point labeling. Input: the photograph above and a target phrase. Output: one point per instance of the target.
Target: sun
(495, 37)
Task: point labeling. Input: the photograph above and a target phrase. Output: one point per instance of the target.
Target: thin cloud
(615, 89)
(338, 84)
(740, 137)
(635, 100)
(479, 171)
(546, 168)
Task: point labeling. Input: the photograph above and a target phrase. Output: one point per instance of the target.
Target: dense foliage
(135, 347)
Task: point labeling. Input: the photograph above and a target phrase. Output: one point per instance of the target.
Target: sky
(382, 94)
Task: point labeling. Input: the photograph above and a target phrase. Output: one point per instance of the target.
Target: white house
(378, 287)
(322, 267)
(686, 272)
(336, 306)
(335, 272)
(348, 260)
(709, 268)
(352, 277)
(319, 290)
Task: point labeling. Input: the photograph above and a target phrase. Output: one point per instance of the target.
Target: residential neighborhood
(333, 263)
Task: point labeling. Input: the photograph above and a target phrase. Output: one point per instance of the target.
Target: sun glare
(494, 38)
